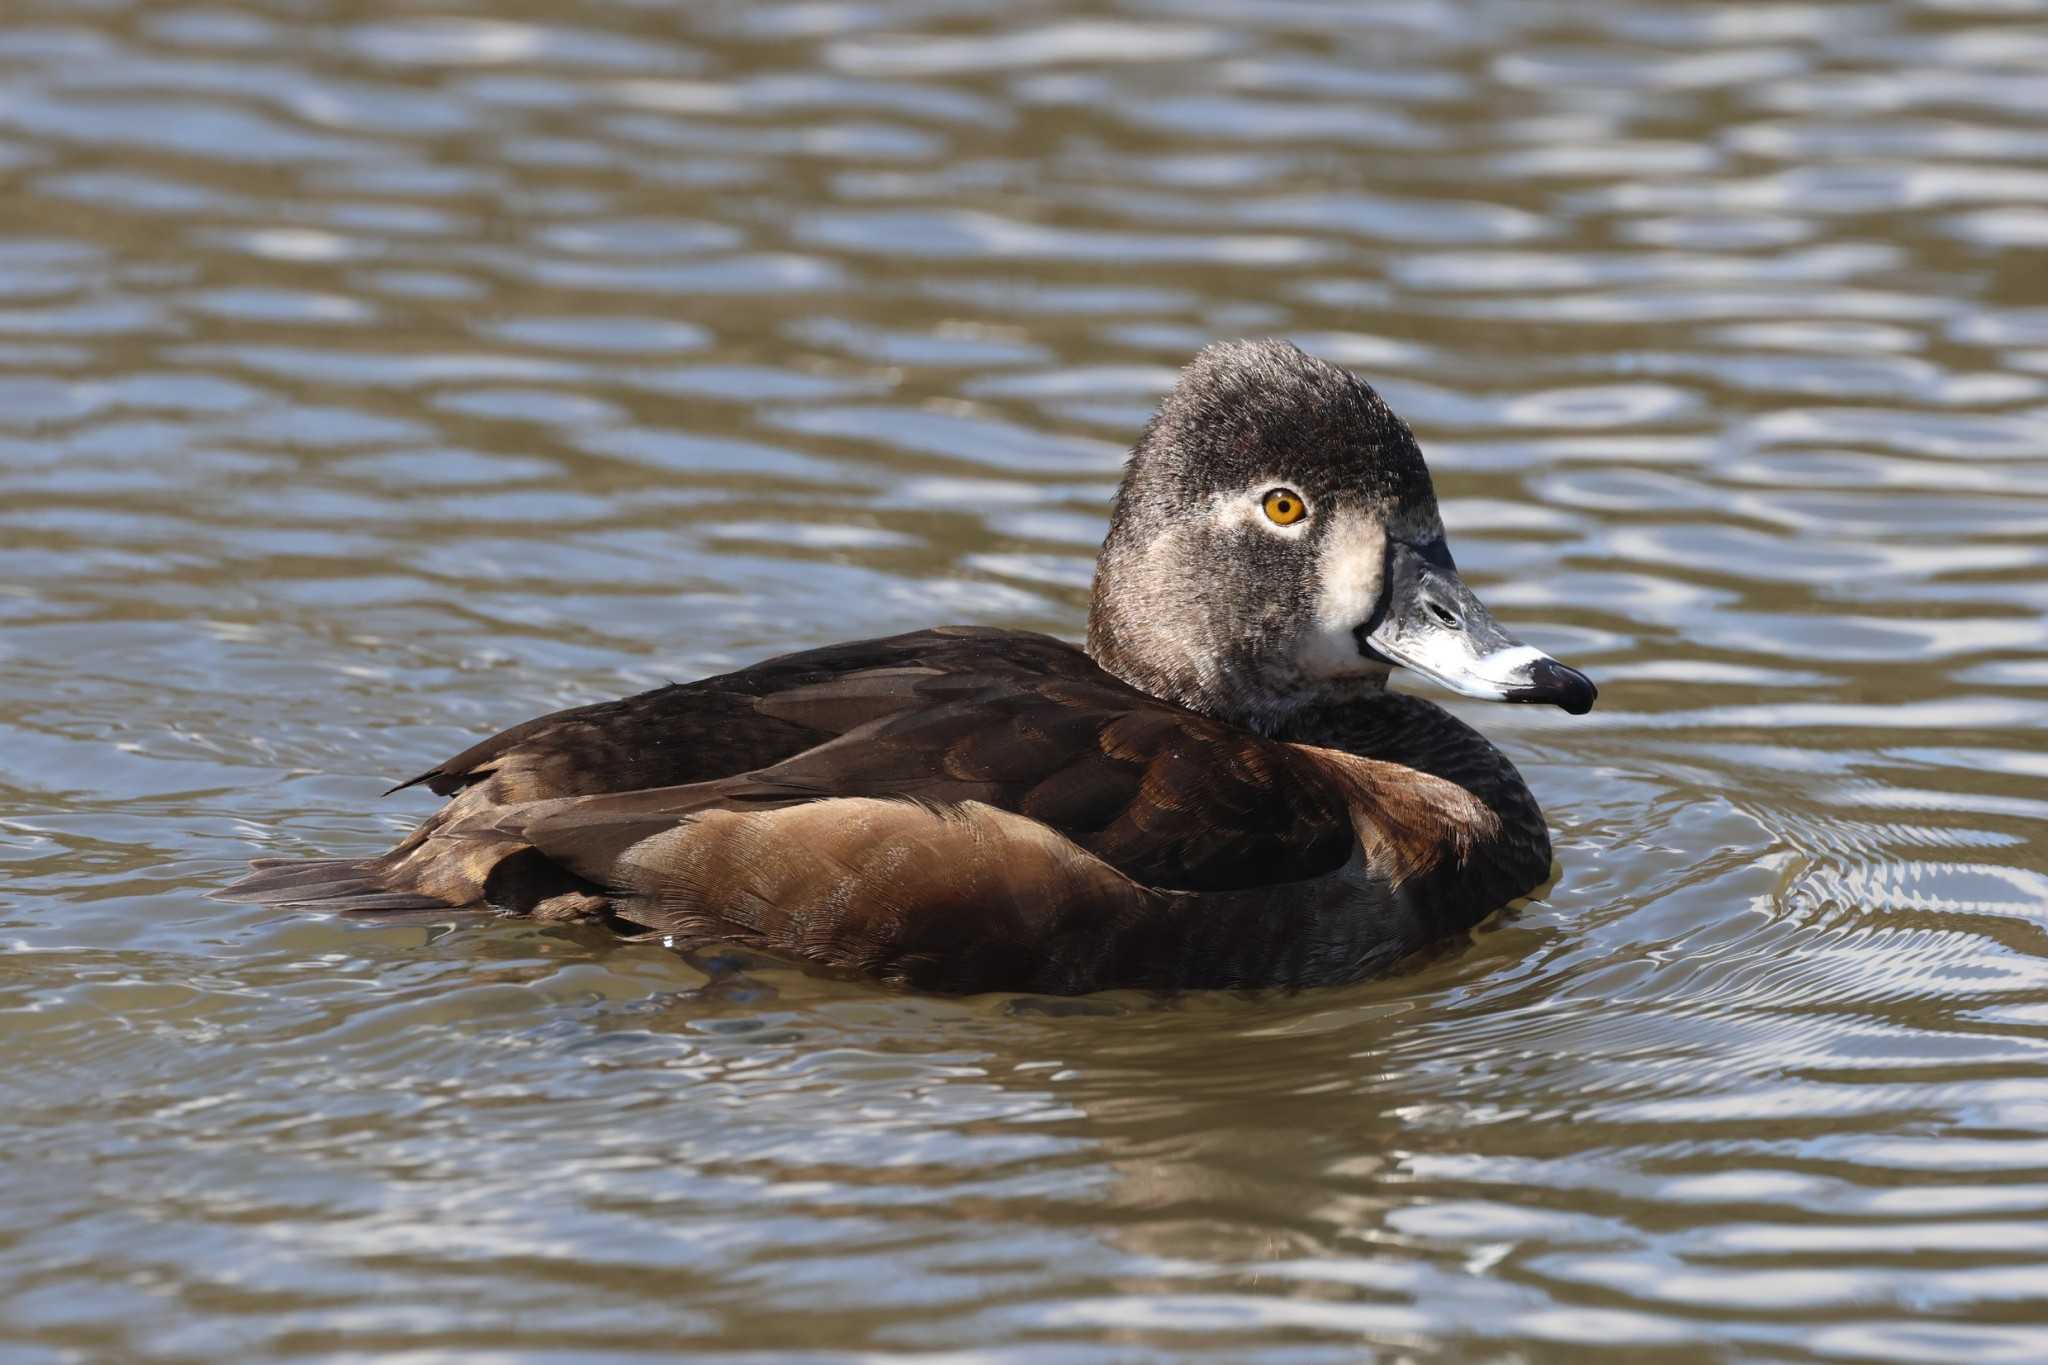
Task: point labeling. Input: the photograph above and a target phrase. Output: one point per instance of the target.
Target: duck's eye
(1284, 507)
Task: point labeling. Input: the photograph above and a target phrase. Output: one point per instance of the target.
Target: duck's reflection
(1219, 1128)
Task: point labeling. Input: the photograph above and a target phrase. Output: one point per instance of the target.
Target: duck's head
(1276, 544)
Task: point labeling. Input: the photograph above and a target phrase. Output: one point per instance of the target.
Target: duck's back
(961, 808)
(757, 716)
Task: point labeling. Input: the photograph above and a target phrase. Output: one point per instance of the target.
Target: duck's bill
(1429, 622)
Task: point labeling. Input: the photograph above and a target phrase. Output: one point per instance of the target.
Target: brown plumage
(1211, 800)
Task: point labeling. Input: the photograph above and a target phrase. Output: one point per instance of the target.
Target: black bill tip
(1566, 688)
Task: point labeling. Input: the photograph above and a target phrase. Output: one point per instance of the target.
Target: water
(372, 376)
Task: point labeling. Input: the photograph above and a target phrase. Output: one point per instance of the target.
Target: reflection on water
(372, 376)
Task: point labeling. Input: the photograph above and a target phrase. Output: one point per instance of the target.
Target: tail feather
(332, 884)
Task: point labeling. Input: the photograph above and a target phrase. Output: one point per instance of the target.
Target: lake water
(373, 376)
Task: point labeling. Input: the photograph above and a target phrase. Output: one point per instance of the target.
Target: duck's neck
(1158, 643)
(1214, 683)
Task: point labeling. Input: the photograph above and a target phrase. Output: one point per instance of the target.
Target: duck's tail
(336, 884)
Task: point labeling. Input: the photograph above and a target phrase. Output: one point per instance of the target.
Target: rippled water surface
(375, 375)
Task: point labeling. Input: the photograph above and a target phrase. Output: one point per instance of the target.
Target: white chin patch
(1349, 573)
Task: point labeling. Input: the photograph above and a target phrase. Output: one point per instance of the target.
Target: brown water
(372, 376)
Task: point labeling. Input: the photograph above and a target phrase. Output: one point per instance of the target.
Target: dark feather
(605, 807)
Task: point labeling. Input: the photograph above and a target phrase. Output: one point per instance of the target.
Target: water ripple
(370, 380)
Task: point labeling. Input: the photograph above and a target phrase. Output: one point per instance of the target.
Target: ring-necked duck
(1218, 792)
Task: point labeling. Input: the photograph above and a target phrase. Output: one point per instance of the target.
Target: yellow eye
(1284, 507)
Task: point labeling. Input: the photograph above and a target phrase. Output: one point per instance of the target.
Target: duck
(1217, 791)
